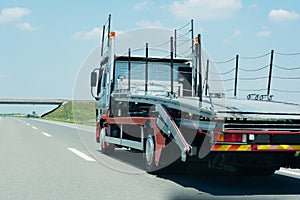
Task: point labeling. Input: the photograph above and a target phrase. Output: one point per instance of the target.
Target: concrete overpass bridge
(33, 101)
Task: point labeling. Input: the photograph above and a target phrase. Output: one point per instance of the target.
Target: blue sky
(44, 43)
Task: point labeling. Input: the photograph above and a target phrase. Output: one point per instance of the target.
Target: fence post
(129, 68)
(146, 72)
(236, 74)
(206, 85)
(270, 72)
(172, 64)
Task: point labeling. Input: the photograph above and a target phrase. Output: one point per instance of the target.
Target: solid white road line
(284, 171)
(82, 155)
(46, 134)
(74, 126)
(34, 127)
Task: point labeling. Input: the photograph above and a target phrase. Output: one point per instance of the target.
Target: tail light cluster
(230, 137)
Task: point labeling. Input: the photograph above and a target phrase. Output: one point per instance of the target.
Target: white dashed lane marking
(46, 134)
(288, 172)
(81, 155)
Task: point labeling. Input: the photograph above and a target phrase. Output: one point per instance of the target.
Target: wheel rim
(102, 135)
(149, 151)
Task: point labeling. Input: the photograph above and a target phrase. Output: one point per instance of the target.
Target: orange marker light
(112, 35)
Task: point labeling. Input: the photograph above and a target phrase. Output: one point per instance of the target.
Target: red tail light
(227, 137)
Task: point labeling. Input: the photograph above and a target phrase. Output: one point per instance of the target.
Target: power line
(223, 73)
(251, 90)
(254, 70)
(285, 68)
(255, 57)
(223, 80)
(288, 54)
(286, 78)
(226, 61)
(185, 52)
(253, 79)
(287, 91)
(182, 35)
(178, 29)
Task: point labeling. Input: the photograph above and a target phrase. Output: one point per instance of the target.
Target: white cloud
(263, 33)
(13, 14)
(282, 15)
(94, 34)
(149, 24)
(235, 35)
(140, 6)
(205, 9)
(25, 26)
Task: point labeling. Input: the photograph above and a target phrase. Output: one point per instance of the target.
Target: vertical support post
(172, 64)
(146, 72)
(270, 72)
(108, 29)
(199, 69)
(175, 43)
(195, 70)
(194, 63)
(206, 84)
(129, 68)
(103, 35)
(236, 74)
(192, 33)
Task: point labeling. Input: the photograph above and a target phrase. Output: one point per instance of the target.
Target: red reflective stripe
(234, 147)
(216, 147)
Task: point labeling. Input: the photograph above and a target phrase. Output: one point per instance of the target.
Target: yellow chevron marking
(283, 147)
(224, 147)
(263, 147)
(296, 147)
(244, 148)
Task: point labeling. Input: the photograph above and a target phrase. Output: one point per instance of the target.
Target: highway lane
(51, 160)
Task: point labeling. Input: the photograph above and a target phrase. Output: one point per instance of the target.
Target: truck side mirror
(93, 79)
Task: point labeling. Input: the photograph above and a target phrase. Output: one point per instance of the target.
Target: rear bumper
(255, 147)
(252, 159)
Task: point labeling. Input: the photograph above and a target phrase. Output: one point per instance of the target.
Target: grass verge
(74, 112)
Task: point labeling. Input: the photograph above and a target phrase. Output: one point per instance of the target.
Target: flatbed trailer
(155, 105)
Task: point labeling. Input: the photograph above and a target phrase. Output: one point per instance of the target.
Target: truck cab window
(99, 82)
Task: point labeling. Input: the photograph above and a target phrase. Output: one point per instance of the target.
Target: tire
(150, 154)
(257, 97)
(104, 146)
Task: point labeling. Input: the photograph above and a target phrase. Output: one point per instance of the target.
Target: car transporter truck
(163, 107)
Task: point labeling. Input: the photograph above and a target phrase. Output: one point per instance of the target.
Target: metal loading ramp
(167, 125)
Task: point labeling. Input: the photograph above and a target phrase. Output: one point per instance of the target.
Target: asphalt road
(51, 160)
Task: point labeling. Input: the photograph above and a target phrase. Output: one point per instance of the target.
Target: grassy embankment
(74, 112)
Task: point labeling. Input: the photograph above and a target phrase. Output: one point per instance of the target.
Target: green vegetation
(74, 112)
(13, 115)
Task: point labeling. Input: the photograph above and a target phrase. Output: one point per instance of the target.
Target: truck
(162, 107)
